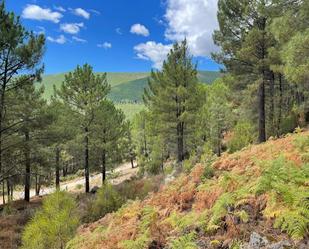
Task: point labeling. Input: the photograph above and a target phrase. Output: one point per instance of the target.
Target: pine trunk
(28, 167)
(280, 105)
(103, 166)
(57, 168)
(180, 142)
(272, 102)
(87, 187)
(261, 107)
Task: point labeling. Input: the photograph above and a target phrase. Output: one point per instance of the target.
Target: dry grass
(11, 226)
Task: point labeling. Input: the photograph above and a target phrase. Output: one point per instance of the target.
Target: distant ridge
(126, 87)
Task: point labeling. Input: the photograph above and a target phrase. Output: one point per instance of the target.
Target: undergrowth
(226, 201)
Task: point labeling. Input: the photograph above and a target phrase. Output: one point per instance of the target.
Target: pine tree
(245, 41)
(30, 109)
(109, 129)
(59, 132)
(84, 92)
(20, 53)
(172, 98)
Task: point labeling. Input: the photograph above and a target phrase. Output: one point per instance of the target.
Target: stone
(280, 245)
(257, 241)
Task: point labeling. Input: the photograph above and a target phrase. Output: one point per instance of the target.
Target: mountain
(253, 199)
(126, 87)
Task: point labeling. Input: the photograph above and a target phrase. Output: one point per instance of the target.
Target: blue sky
(119, 35)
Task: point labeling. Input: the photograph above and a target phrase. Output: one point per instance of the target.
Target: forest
(208, 141)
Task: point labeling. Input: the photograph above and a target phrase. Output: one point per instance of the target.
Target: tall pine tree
(172, 98)
(84, 92)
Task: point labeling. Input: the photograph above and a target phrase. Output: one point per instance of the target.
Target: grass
(130, 109)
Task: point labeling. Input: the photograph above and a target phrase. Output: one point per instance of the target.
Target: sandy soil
(77, 185)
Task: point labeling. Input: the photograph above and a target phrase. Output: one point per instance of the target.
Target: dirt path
(77, 185)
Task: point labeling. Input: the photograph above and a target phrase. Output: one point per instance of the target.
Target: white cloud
(118, 31)
(59, 8)
(95, 11)
(105, 45)
(194, 19)
(60, 39)
(75, 38)
(81, 12)
(152, 51)
(71, 28)
(41, 29)
(35, 12)
(139, 29)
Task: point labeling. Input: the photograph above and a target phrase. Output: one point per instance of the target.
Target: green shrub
(208, 172)
(107, 200)
(301, 142)
(79, 186)
(139, 189)
(53, 225)
(187, 166)
(8, 209)
(243, 135)
(168, 169)
(208, 156)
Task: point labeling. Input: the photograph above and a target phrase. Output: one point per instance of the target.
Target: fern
(140, 242)
(294, 223)
(244, 217)
(219, 210)
(288, 200)
(186, 241)
(148, 218)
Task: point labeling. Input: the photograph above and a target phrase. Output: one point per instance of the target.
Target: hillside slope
(125, 86)
(258, 195)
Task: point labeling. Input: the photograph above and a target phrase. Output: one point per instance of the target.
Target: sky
(119, 35)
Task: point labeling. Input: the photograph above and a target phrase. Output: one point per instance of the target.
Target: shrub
(8, 209)
(138, 189)
(208, 172)
(187, 166)
(243, 135)
(52, 226)
(168, 169)
(79, 186)
(107, 200)
(301, 142)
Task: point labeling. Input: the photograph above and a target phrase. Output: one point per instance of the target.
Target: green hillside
(127, 87)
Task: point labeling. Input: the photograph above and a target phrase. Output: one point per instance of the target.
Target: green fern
(140, 242)
(149, 216)
(243, 215)
(294, 223)
(289, 197)
(219, 210)
(186, 241)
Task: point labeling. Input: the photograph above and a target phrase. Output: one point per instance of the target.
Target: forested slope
(259, 194)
